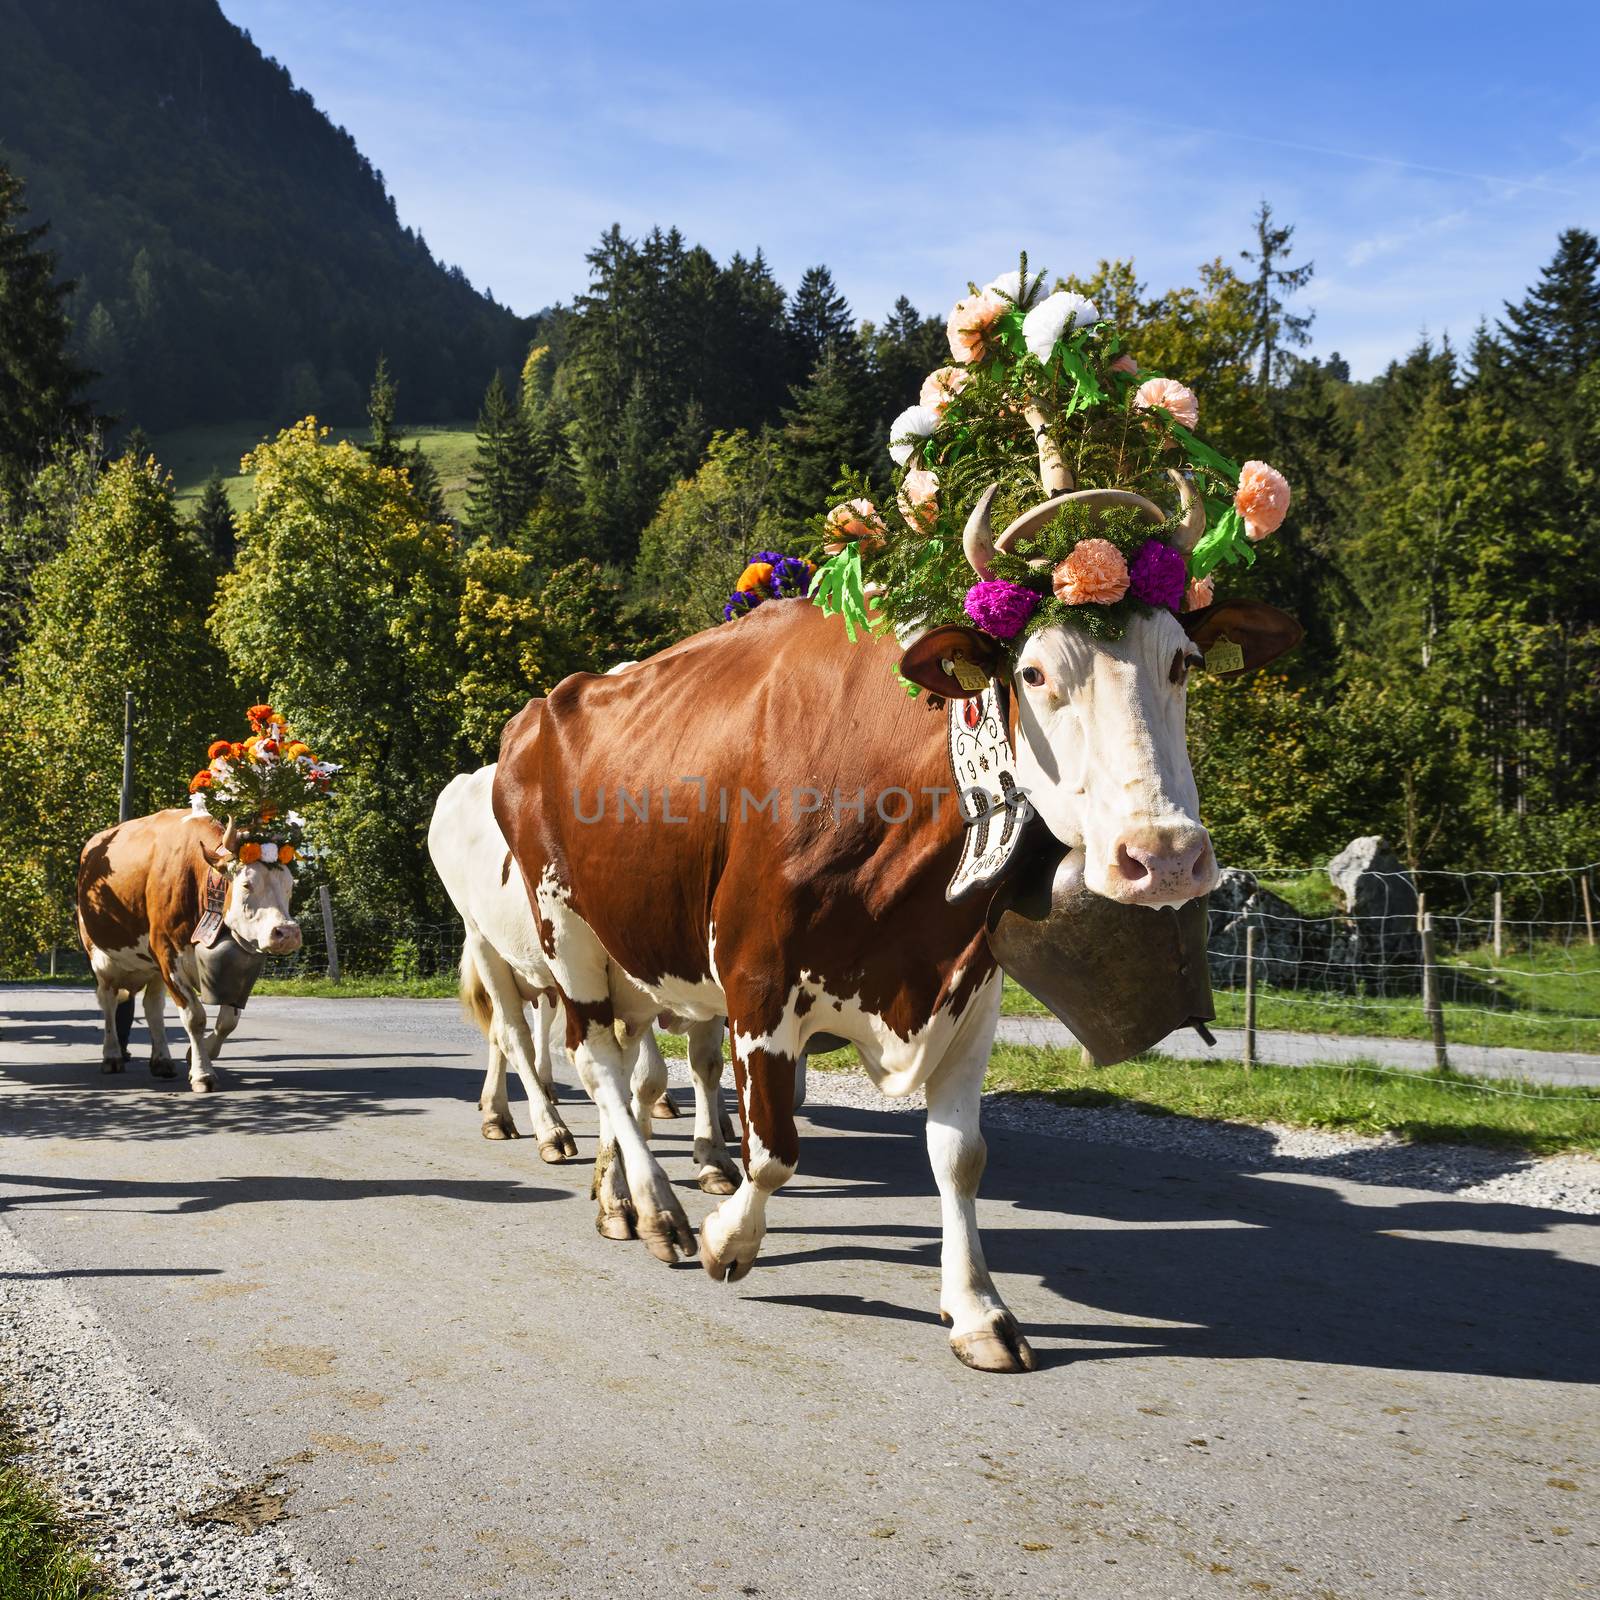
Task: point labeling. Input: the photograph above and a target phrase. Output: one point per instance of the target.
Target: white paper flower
(269, 853)
(197, 804)
(914, 423)
(1010, 284)
(294, 819)
(1055, 316)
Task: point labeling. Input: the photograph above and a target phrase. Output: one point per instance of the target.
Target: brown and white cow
(639, 809)
(141, 893)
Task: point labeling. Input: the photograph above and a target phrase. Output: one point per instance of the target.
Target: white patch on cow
(897, 1065)
(127, 969)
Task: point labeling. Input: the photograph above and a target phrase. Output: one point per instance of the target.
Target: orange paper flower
(1262, 499)
(220, 748)
(286, 853)
(1094, 574)
(249, 852)
(1199, 594)
(201, 780)
(259, 716)
(971, 324)
(1176, 399)
(754, 576)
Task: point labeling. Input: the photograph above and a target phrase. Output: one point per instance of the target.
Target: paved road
(1283, 1049)
(1251, 1384)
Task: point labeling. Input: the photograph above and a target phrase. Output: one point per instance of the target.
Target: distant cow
(142, 892)
(708, 833)
(503, 971)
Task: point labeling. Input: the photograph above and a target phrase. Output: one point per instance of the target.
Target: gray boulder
(1291, 950)
(1378, 944)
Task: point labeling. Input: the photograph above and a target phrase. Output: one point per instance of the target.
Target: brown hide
(146, 876)
(780, 699)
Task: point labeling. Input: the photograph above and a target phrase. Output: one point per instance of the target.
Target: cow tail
(475, 999)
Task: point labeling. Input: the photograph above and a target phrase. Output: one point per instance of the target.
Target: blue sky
(1427, 153)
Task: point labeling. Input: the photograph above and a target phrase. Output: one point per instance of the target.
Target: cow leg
(648, 1080)
(624, 1153)
(509, 1032)
(731, 1236)
(717, 1173)
(983, 1333)
(109, 996)
(201, 1078)
(222, 1029)
(155, 1005)
(494, 1104)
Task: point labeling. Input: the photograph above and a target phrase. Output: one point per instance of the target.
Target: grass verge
(358, 988)
(40, 1559)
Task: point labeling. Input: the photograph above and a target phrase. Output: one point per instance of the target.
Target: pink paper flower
(1176, 399)
(855, 520)
(1199, 595)
(919, 498)
(1262, 498)
(1094, 574)
(971, 324)
(941, 387)
(1124, 363)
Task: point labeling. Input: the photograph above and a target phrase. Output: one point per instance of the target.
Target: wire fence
(1455, 962)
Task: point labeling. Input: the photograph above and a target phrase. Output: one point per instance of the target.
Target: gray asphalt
(1571, 1068)
(1250, 1385)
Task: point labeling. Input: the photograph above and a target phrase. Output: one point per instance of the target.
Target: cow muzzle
(1157, 866)
(284, 939)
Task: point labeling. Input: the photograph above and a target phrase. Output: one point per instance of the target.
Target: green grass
(1543, 999)
(191, 455)
(39, 1557)
(359, 988)
(1312, 894)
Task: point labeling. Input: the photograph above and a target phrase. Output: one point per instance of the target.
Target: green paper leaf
(1226, 540)
(837, 587)
(1199, 452)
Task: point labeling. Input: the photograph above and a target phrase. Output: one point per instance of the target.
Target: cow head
(1099, 725)
(257, 908)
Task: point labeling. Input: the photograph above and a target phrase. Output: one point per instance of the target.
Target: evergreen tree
(213, 522)
(39, 382)
(828, 427)
(899, 355)
(819, 321)
(1274, 281)
(499, 490)
(1553, 335)
(383, 443)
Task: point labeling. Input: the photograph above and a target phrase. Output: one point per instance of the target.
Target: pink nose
(284, 939)
(1163, 866)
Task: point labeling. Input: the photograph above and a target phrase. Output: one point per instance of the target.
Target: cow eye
(1180, 667)
(1032, 676)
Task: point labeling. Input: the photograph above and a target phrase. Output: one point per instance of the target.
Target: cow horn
(1193, 506)
(230, 836)
(978, 538)
(1053, 472)
(1037, 517)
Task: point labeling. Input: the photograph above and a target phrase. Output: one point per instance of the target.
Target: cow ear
(954, 661)
(1238, 636)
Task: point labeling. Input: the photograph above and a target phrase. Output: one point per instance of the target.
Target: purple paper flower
(770, 557)
(999, 607)
(739, 603)
(1157, 575)
(791, 577)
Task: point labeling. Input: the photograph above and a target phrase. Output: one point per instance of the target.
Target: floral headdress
(1041, 391)
(256, 783)
(770, 575)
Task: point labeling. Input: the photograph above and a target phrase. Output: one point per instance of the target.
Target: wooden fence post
(1249, 996)
(327, 933)
(1431, 1008)
(1499, 925)
(1588, 910)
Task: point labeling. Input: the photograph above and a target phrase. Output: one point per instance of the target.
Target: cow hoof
(561, 1141)
(203, 1085)
(997, 1346)
(665, 1108)
(616, 1225)
(163, 1067)
(713, 1180)
(664, 1235)
(729, 1270)
(555, 1152)
(499, 1128)
(114, 1064)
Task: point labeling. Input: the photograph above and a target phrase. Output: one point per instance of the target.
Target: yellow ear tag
(970, 678)
(1225, 656)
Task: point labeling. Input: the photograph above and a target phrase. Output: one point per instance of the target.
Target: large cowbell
(228, 971)
(1121, 977)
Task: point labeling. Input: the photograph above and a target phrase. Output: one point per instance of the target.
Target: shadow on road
(1250, 1266)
